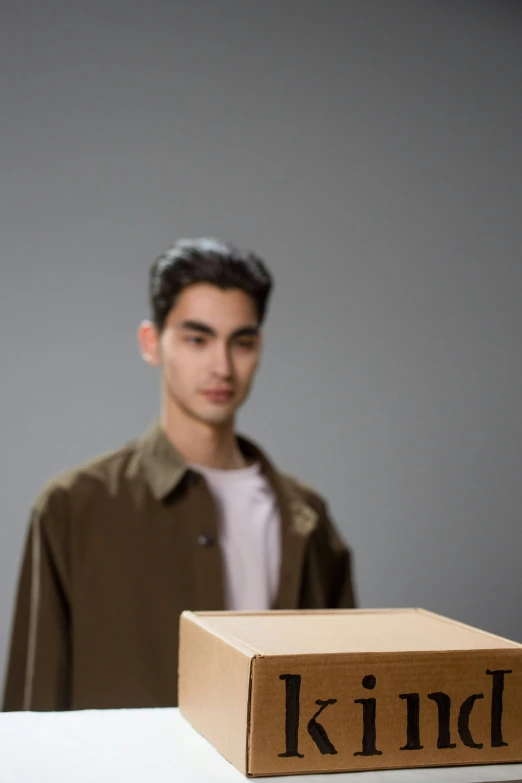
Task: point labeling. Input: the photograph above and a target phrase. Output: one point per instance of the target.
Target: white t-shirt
(249, 535)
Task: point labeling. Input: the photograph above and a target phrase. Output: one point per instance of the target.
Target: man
(190, 516)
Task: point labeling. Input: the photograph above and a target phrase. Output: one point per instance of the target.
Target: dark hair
(206, 260)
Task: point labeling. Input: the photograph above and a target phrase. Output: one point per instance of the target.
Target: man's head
(208, 302)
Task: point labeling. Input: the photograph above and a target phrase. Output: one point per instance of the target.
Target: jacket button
(204, 539)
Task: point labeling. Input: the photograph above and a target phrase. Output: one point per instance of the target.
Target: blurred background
(370, 151)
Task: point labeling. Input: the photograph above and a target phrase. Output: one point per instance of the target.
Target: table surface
(159, 746)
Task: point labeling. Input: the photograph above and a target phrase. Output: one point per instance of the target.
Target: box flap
(340, 631)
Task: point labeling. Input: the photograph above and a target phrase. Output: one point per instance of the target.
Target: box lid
(350, 631)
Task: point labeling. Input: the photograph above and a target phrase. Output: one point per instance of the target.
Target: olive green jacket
(116, 550)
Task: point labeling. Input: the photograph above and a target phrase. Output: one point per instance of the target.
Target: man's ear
(148, 341)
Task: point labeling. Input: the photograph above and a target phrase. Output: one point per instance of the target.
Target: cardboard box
(329, 691)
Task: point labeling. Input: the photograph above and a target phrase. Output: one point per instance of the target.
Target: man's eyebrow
(197, 326)
(249, 330)
(246, 331)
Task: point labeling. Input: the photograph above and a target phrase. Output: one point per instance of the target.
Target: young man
(190, 516)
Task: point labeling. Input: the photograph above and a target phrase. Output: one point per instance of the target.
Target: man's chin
(216, 417)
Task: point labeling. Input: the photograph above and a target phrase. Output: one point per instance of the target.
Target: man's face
(209, 351)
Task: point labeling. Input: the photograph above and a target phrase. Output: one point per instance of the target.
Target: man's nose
(221, 361)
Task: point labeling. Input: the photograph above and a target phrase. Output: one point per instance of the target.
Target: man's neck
(203, 444)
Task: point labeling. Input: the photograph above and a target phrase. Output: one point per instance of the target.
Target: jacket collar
(164, 469)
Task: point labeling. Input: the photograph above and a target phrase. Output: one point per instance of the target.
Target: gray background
(371, 152)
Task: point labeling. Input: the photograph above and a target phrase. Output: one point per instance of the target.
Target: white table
(158, 746)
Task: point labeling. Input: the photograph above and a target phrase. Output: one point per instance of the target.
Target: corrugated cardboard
(328, 691)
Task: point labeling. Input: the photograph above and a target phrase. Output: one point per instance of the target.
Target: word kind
(369, 743)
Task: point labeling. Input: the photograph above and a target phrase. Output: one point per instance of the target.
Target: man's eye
(247, 344)
(196, 340)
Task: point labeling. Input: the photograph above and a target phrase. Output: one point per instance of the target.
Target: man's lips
(218, 395)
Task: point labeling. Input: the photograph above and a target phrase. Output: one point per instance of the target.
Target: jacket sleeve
(342, 592)
(37, 676)
(328, 581)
